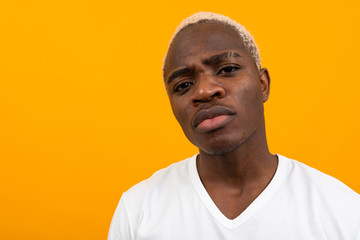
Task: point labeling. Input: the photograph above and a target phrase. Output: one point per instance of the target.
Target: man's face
(214, 87)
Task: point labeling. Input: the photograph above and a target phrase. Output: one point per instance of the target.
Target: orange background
(84, 114)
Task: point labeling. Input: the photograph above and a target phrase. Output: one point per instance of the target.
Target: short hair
(202, 17)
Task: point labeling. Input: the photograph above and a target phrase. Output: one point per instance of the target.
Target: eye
(182, 86)
(226, 70)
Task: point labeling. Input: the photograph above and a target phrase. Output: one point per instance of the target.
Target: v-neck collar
(250, 210)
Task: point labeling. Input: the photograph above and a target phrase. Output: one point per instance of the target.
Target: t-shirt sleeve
(120, 228)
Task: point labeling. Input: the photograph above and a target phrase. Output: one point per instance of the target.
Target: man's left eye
(227, 69)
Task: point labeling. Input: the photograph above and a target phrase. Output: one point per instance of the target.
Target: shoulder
(146, 198)
(328, 198)
(174, 172)
(159, 185)
(317, 180)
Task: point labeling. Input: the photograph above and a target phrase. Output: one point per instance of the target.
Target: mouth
(212, 119)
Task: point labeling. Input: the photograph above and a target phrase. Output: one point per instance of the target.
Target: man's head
(200, 17)
(215, 85)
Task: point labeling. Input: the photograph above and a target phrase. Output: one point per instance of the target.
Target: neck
(250, 163)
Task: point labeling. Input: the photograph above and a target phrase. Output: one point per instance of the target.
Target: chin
(220, 147)
(219, 151)
(219, 142)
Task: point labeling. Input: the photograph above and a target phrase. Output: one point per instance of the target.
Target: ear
(265, 83)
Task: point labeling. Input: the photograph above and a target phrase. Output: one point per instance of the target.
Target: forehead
(202, 39)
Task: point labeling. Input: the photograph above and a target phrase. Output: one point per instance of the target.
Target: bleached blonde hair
(202, 17)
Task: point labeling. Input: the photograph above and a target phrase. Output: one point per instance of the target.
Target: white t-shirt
(299, 203)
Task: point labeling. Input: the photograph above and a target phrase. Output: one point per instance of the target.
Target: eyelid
(179, 74)
(222, 67)
(179, 83)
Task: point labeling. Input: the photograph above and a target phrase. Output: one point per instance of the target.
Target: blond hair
(201, 17)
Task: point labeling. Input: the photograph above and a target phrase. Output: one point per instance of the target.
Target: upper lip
(211, 113)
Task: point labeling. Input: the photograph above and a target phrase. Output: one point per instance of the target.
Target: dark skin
(217, 95)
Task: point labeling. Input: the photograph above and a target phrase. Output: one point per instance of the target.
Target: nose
(206, 88)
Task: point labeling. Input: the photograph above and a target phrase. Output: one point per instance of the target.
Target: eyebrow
(220, 57)
(178, 73)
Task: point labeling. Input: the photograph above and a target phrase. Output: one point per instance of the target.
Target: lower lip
(209, 125)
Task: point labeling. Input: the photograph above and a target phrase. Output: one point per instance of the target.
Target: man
(234, 188)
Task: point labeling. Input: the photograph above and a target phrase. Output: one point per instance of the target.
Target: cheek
(180, 113)
(246, 94)
(249, 100)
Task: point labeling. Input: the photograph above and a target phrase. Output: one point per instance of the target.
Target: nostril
(195, 101)
(216, 94)
(205, 89)
(209, 98)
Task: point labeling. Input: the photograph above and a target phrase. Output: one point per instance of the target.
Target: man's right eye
(182, 86)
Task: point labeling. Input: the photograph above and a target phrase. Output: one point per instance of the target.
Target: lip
(213, 118)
